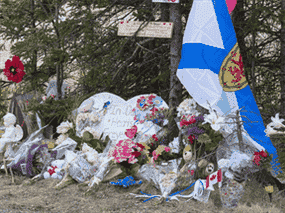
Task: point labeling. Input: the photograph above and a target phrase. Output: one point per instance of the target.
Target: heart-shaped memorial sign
(118, 117)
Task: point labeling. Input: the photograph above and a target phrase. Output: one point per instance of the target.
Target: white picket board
(153, 29)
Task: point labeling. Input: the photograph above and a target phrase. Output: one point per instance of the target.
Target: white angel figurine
(12, 134)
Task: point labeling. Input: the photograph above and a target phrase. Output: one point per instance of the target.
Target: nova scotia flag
(211, 70)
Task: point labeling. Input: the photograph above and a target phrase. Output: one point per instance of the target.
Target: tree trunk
(282, 71)
(238, 19)
(253, 54)
(175, 95)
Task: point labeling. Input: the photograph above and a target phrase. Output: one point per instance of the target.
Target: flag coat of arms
(211, 70)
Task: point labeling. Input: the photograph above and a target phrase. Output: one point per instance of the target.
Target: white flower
(60, 139)
(270, 131)
(44, 98)
(81, 117)
(276, 122)
(64, 127)
(215, 120)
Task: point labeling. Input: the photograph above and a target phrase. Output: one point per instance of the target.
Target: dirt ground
(42, 197)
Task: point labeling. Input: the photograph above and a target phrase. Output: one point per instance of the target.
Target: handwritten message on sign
(166, 1)
(117, 121)
(152, 29)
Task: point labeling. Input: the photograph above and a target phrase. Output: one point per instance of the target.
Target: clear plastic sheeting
(67, 144)
(79, 169)
(163, 176)
(24, 148)
(231, 192)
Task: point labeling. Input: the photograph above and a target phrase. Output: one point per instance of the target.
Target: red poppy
(136, 153)
(14, 69)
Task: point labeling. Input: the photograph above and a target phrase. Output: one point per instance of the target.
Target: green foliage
(98, 144)
(51, 111)
(215, 137)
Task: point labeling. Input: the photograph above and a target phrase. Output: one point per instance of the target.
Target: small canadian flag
(213, 178)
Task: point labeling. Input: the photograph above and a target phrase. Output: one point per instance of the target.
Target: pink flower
(186, 123)
(141, 121)
(149, 100)
(155, 156)
(256, 159)
(123, 150)
(167, 149)
(44, 98)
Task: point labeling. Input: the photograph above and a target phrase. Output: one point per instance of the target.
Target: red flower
(136, 153)
(154, 110)
(256, 159)
(141, 146)
(152, 144)
(191, 138)
(51, 171)
(14, 69)
(263, 154)
(184, 122)
(154, 137)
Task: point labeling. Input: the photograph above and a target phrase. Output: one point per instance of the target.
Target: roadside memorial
(111, 137)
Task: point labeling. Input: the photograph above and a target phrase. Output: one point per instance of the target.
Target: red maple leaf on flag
(213, 177)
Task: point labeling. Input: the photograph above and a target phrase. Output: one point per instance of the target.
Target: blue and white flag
(211, 69)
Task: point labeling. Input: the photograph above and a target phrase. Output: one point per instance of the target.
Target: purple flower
(199, 118)
(195, 131)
